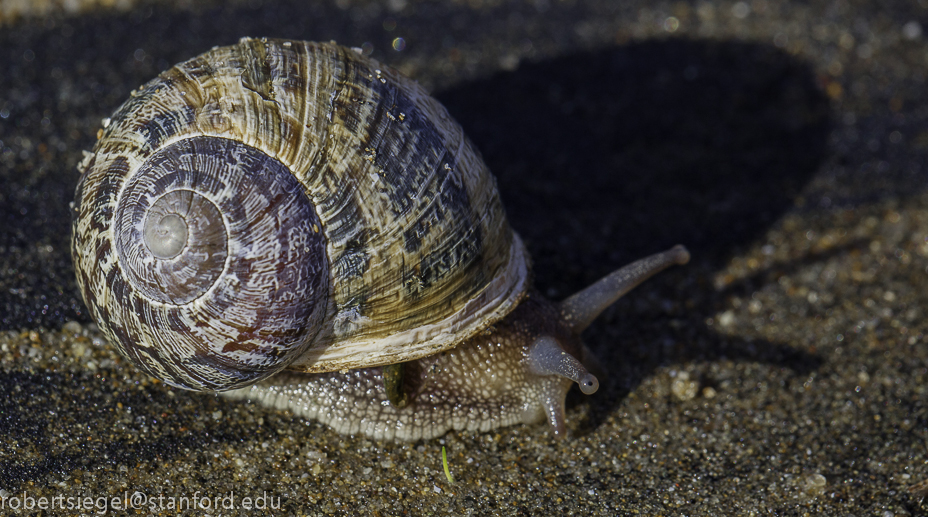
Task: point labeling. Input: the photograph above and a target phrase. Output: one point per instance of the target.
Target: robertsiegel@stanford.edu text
(138, 501)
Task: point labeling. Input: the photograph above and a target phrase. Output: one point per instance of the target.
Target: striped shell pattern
(280, 204)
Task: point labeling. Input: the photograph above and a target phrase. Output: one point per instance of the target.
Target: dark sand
(782, 372)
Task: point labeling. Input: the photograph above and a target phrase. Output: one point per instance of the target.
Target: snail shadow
(605, 157)
(608, 156)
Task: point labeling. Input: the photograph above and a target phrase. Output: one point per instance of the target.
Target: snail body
(279, 205)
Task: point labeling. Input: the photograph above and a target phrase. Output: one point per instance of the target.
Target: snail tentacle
(546, 357)
(552, 400)
(581, 309)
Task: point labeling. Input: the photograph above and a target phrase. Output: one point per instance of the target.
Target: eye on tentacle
(546, 357)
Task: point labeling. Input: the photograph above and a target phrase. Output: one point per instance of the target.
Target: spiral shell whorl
(416, 253)
(242, 294)
(167, 207)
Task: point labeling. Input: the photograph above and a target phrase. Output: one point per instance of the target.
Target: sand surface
(782, 372)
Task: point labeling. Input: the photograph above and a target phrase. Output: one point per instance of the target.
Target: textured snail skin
(480, 385)
(498, 378)
(291, 205)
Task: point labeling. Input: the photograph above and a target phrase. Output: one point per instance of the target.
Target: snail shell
(278, 204)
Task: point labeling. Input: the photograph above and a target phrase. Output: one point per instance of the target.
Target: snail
(296, 224)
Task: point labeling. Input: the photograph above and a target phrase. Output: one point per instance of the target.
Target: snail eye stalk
(546, 357)
(582, 308)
